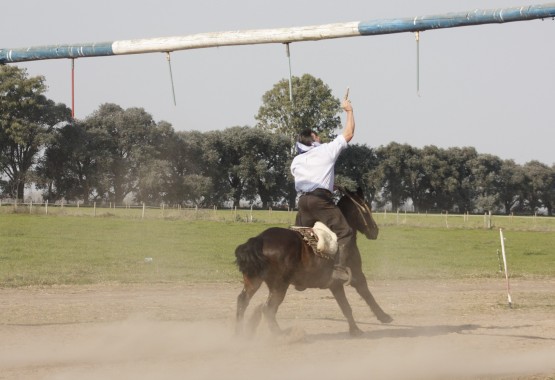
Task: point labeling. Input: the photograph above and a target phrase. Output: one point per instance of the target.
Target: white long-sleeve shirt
(316, 168)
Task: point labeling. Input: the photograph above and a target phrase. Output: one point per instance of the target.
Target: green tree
(246, 164)
(511, 176)
(352, 169)
(131, 141)
(434, 166)
(189, 180)
(271, 172)
(391, 175)
(458, 183)
(154, 165)
(313, 107)
(539, 186)
(197, 188)
(27, 118)
(71, 165)
(487, 182)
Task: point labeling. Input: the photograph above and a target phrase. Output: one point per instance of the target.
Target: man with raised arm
(314, 172)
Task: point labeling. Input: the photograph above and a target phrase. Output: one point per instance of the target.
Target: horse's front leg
(361, 286)
(275, 298)
(339, 295)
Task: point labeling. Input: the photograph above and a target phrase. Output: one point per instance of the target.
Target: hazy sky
(488, 86)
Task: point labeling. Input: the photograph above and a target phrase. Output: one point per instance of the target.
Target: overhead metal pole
(284, 35)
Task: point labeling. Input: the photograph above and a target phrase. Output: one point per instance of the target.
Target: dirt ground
(441, 329)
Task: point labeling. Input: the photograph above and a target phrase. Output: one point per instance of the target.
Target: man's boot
(340, 271)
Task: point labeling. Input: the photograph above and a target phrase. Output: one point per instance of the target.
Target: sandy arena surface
(441, 329)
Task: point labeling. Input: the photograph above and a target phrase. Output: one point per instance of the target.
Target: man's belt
(319, 193)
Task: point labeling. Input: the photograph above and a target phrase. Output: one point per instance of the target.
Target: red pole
(73, 88)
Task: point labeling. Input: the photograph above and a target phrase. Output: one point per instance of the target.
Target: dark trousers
(319, 206)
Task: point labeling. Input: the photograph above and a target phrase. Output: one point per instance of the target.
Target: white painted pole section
(240, 37)
(505, 265)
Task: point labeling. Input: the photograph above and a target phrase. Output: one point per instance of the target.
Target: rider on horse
(314, 172)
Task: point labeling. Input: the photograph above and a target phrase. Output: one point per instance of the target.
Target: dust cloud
(455, 330)
(138, 348)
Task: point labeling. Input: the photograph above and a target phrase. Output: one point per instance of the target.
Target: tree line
(116, 155)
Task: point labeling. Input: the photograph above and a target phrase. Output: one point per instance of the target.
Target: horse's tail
(250, 259)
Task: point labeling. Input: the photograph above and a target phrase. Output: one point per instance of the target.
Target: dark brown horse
(279, 257)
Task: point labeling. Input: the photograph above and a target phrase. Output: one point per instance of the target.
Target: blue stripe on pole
(56, 52)
(452, 20)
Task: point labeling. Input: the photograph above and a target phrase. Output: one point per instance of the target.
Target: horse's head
(358, 212)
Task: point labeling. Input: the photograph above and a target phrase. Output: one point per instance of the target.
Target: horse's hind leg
(339, 295)
(275, 298)
(361, 286)
(251, 285)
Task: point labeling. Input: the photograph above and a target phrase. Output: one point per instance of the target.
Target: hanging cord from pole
(290, 75)
(417, 37)
(171, 76)
(73, 88)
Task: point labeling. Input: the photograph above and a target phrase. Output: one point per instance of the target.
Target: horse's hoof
(292, 335)
(386, 318)
(356, 332)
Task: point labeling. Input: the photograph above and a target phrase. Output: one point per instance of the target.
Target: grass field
(71, 246)
(525, 223)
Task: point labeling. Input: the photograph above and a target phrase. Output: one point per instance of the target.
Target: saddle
(320, 238)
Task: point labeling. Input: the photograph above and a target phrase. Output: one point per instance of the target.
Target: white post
(94, 208)
(143, 216)
(31, 207)
(46, 207)
(505, 265)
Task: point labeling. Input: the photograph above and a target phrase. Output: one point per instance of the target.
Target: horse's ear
(359, 192)
(340, 188)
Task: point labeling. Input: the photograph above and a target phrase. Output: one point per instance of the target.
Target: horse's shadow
(397, 331)
(411, 331)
